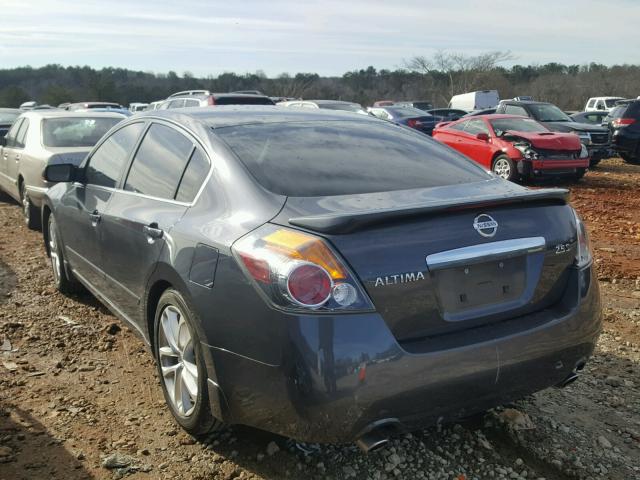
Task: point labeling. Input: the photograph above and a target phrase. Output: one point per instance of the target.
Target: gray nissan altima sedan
(322, 275)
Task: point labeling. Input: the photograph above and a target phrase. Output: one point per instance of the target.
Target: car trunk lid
(438, 266)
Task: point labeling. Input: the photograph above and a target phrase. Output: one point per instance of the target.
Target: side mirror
(62, 172)
(483, 136)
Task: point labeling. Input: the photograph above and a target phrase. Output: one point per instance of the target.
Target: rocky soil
(79, 397)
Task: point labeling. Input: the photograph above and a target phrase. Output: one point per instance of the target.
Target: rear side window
(304, 159)
(108, 161)
(159, 162)
(591, 103)
(193, 177)
(515, 110)
(243, 101)
(22, 134)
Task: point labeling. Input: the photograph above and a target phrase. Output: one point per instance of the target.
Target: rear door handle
(152, 232)
(95, 218)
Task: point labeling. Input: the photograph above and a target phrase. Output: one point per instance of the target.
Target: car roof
(11, 110)
(67, 114)
(216, 95)
(526, 102)
(234, 115)
(328, 102)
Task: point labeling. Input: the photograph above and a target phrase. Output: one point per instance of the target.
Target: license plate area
(482, 284)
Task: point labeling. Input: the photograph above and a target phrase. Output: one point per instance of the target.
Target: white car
(601, 103)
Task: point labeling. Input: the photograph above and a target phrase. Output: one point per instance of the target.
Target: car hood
(547, 140)
(573, 127)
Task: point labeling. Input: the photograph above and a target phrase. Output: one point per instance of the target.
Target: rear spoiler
(351, 221)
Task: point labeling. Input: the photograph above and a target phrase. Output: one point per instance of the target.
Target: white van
(479, 100)
(601, 104)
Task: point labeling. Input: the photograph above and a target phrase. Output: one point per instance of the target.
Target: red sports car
(515, 147)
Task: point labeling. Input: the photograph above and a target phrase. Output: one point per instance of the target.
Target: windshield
(348, 107)
(243, 101)
(325, 158)
(75, 132)
(8, 117)
(502, 125)
(544, 112)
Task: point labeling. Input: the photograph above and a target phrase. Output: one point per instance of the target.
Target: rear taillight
(296, 270)
(413, 123)
(622, 122)
(211, 100)
(583, 253)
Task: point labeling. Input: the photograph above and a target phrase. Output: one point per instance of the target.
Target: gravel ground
(79, 396)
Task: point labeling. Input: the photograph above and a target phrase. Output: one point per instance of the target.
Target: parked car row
(321, 274)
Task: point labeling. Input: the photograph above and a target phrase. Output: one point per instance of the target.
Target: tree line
(434, 78)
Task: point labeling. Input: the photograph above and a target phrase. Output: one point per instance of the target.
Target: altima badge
(485, 225)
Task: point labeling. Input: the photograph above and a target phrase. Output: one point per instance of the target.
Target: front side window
(323, 158)
(13, 132)
(159, 162)
(75, 131)
(109, 160)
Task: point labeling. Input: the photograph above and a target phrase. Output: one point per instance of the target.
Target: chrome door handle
(152, 231)
(95, 218)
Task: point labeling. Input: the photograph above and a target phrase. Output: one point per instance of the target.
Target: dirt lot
(77, 387)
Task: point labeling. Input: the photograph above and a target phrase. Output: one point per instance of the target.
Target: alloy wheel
(177, 359)
(502, 168)
(53, 251)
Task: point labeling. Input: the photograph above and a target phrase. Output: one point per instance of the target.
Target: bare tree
(463, 72)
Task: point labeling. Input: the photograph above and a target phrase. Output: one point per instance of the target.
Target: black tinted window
(193, 177)
(108, 161)
(633, 110)
(243, 101)
(159, 162)
(345, 157)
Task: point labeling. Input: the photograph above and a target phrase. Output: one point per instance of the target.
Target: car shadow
(28, 451)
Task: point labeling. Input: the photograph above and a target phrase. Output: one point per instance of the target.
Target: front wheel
(505, 168)
(30, 212)
(181, 366)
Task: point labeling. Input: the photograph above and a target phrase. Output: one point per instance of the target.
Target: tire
(579, 174)
(505, 168)
(180, 365)
(30, 212)
(627, 157)
(65, 282)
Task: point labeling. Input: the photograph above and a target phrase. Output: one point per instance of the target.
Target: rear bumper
(339, 375)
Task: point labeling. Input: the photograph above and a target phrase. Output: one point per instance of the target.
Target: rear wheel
(181, 366)
(632, 159)
(65, 283)
(505, 168)
(30, 212)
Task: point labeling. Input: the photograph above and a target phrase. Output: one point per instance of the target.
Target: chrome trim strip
(485, 252)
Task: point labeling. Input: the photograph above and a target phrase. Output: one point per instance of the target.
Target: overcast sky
(329, 37)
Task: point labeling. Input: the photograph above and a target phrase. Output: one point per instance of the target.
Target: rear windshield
(75, 132)
(611, 102)
(548, 113)
(308, 159)
(244, 101)
(423, 105)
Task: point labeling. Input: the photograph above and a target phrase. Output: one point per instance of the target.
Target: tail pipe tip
(371, 441)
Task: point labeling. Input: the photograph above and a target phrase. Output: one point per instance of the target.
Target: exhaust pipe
(569, 380)
(371, 441)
